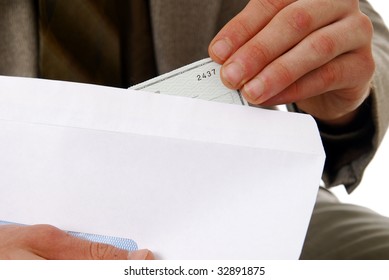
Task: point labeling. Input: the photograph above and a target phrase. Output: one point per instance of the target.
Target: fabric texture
(351, 157)
(79, 41)
(104, 42)
(183, 30)
(340, 231)
(19, 38)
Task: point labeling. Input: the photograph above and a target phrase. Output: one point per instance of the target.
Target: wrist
(342, 121)
(350, 122)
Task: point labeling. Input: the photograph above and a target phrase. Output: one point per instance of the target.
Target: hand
(47, 242)
(316, 53)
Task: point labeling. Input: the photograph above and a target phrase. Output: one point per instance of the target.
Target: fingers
(243, 27)
(289, 26)
(279, 49)
(330, 78)
(315, 51)
(143, 254)
(73, 248)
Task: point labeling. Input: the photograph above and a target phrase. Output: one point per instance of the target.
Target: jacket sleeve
(349, 151)
(19, 38)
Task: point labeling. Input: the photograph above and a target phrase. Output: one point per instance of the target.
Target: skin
(315, 53)
(41, 242)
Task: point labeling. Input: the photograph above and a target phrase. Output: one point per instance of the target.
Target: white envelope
(188, 179)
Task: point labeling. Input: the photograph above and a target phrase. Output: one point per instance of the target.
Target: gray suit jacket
(182, 34)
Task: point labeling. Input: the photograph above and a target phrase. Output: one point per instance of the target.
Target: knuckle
(101, 251)
(48, 234)
(366, 25)
(370, 66)
(367, 65)
(273, 6)
(324, 46)
(369, 60)
(242, 30)
(47, 231)
(352, 4)
(295, 92)
(349, 5)
(283, 73)
(329, 74)
(300, 20)
(259, 52)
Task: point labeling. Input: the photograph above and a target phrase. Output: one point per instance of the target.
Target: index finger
(240, 30)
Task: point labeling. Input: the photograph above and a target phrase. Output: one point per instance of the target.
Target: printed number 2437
(206, 75)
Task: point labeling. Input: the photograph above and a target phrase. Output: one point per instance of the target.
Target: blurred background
(374, 189)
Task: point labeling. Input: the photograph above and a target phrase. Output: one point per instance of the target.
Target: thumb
(56, 244)
(87, 250)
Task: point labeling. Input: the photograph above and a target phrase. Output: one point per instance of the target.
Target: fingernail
(233, 74)
(222, 49)
(254, 89)
(143, 254)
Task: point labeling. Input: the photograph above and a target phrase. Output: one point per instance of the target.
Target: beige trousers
(345, 231)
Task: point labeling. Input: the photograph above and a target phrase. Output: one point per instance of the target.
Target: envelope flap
(111, 109)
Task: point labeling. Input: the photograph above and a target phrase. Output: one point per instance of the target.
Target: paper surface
(188, 179)
(199, 80)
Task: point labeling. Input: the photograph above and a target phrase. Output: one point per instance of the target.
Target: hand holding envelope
(187, 178)
(47, 242)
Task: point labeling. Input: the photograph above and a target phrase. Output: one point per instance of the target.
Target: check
(200, 79)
